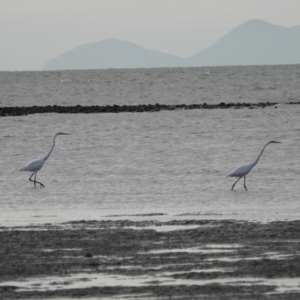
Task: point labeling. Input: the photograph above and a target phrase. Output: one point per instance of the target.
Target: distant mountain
(253, 43)
(112, 53)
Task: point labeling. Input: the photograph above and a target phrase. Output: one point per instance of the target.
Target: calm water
(170, 163)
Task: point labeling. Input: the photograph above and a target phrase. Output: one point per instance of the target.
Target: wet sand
(192, 259)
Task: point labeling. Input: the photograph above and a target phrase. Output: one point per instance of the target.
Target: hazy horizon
(33, 32)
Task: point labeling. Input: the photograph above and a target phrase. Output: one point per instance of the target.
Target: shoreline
(184, 259)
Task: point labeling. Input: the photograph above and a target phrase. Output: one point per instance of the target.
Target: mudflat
(180, 259)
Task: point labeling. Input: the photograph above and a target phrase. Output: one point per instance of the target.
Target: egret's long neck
(260, 154)
(47, 156)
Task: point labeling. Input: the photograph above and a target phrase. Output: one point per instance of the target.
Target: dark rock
(23, 111)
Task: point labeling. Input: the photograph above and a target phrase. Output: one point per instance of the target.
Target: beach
(188, 259)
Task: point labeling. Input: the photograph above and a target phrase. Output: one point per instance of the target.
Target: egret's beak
(276, 142)
(65, 133)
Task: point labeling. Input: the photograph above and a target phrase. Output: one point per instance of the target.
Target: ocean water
(164, 165)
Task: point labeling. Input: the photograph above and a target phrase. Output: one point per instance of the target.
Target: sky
(34, 31)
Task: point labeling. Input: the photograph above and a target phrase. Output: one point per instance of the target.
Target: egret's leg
(235, 183)
(35, 182)
(34, 178)
(245, 183)
(38, 181)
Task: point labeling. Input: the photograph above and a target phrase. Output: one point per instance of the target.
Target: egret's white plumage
(37, 164)
(244, 170)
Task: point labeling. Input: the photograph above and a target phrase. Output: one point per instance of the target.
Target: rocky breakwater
(26, 110)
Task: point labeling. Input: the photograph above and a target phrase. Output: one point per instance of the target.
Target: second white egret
(244, 170)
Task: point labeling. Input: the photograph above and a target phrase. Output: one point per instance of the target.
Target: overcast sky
(35, 31)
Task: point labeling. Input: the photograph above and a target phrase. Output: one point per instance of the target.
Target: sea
(166, 165)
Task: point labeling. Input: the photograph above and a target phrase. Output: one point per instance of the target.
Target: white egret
(36, 165)
(242, 171)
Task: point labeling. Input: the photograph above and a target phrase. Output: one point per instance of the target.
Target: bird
(35, 165)
(244, 170)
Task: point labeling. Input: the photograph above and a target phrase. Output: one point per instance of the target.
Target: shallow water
(164, 165)
(84, 281)
(149, 86)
